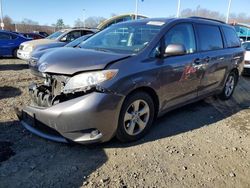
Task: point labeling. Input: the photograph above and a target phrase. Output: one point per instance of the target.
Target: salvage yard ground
(206, 144)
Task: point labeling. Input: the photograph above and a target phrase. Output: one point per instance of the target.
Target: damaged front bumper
(90, 118)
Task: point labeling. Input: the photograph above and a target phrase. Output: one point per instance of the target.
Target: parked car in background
(128, 74)
(38, 53)
(42, 33)
(57, 39)
(74, 43)
(9, 43)
(246, 46)
(33, 36)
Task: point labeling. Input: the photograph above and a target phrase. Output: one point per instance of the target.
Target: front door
(180, 75)
(5, 44)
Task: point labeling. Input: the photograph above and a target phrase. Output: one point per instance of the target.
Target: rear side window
(13, 36)
(5, 36)
(209, 37)
(232, 39)
(86, 32)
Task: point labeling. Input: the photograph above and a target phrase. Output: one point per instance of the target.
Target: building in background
(243, 31)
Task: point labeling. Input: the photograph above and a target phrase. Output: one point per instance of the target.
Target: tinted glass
(209, 37)
(78, 41)
(231, 37)
(71, 36)
(13, 36)
(182, 34)
(4, 36)
(55, 35)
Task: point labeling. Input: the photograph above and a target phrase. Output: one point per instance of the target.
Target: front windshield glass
(55, 35)
(78, 41)
(128, 37)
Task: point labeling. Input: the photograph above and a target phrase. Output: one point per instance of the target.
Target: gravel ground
(206, 144)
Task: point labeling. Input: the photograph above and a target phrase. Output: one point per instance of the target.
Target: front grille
(247, 62)
(246, 71)
(33, 61)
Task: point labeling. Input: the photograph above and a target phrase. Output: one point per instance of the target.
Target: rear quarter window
(232, 40)
(209, 37)
(5, 36)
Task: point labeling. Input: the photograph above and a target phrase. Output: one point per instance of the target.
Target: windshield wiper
(101, 49)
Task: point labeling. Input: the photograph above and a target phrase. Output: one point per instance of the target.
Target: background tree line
(28, 25)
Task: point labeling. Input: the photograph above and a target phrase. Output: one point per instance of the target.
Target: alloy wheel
(229, 85)
(136, 117)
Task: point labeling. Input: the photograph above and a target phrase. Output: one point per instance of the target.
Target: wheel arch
(150, 91)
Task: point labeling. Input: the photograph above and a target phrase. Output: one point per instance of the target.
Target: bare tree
(93, 22)
(8, 23)
(79, 23)
(202, 12)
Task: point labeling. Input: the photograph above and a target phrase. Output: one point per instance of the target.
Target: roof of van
(163, 21)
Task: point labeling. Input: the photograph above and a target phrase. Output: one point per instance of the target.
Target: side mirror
(64, 39)
(175, 49)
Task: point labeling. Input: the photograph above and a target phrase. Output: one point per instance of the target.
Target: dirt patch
(205, 144)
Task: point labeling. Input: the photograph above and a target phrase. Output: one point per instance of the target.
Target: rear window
(5, 36)
(232, 39)
(209, 37)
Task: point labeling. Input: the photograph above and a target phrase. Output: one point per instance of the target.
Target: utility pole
(1, 9)
(178, 8)
(228, 10)
(84, 17)
(136, 9)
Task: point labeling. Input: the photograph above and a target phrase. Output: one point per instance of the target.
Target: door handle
(197, 61)
(206, 59)
(236, 58)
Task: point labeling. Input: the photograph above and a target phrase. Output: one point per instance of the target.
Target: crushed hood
(69, 61)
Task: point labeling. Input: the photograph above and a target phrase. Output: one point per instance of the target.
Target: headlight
(28, 48)
(82, 81)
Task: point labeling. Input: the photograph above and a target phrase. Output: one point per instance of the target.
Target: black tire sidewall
(15, 53)
(223, 95)
(121, 133)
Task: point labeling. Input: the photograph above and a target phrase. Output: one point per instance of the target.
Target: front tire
(15, 53)
(136, 117)
(229, 86)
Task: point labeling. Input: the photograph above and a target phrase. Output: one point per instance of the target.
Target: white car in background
(246, 45)
(57, 39)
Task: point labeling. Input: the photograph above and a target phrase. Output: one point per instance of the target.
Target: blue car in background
(9, 43)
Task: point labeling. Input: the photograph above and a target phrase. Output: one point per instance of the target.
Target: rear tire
(229, 86)
(15, 53)
(136, 117)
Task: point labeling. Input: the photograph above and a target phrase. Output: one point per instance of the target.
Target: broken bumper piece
(87, 119)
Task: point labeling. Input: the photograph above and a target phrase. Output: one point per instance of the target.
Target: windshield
(76, 42)
(246, 45)
(54, 35)
(130, 37)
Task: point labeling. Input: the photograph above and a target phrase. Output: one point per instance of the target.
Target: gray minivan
(118, 81)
